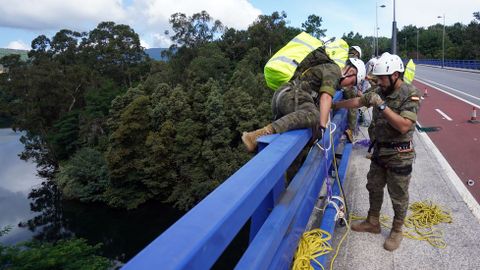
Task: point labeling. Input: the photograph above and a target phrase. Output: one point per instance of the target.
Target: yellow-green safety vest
(282, 65)
(409, 74)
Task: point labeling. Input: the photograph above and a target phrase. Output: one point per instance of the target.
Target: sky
(24, 20)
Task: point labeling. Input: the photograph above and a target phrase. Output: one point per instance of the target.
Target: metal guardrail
(466, 64)
(256, 191)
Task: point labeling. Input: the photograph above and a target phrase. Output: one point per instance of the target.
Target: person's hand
(375, 100)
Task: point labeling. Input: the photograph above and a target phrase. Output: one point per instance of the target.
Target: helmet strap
(391, 88)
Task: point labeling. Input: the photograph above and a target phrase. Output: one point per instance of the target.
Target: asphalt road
(449, 105)
(465, 85)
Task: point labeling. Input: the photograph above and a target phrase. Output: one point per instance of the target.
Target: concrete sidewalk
(431, 180)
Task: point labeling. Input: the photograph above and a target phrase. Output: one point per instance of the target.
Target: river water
(34, 210)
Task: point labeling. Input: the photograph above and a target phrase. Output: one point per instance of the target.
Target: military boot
(349, 134)
(371, 225)
(393, 241)
(250, 138)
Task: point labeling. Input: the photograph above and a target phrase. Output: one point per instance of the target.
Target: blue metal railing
(467, 64)
(256, 191)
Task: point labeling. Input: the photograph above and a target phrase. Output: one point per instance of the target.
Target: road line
(443, 114)
(453, 89)
(424, 81)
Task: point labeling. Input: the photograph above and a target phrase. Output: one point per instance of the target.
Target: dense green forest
(108, 124)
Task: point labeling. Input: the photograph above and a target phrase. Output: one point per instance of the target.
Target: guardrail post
(266, 206)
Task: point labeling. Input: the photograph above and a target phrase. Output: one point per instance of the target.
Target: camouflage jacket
(322, 78)
(403, 101)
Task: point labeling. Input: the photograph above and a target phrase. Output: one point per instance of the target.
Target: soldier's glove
(375, 100)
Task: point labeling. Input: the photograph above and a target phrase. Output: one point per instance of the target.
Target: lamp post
(443, 40)
(376, 26)
(394, 32)
(417, 44)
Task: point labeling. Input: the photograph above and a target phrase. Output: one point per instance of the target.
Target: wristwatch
(382, 107)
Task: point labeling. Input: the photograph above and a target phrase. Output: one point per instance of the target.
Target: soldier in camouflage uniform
(305, 101)
(352, 92)
(394, 114)
(370, 84)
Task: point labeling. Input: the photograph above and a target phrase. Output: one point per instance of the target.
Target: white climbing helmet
(360, 66)
(387, 64)
(358, 49)
(370, 64)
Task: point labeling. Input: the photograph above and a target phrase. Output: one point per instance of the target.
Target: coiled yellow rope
(424, 216)
(420, 223)
(313, 243)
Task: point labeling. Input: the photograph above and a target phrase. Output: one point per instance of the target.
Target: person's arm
(329, 74)
(408, 115)
(398, 122)
(325, 105)
(349, 103)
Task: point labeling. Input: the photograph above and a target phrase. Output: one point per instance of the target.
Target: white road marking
(424, 81)
(443, 114)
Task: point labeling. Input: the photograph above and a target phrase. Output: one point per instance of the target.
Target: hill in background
(156, 53)
(22, 53)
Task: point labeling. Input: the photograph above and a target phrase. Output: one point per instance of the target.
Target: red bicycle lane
(458, 140)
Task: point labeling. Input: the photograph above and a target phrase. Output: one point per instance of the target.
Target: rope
(425, 215)
(313, 243)
(420, 223)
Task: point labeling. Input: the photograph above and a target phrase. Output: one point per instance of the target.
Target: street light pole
(443, 40)
(417, 44)
(394, 32)
(376, 26)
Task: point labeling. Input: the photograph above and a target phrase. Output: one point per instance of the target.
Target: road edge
(452, 176)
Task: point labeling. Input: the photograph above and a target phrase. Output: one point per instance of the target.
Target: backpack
(299, 54)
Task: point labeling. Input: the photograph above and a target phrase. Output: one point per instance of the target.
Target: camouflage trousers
(349, 93)
(294, 108)
(393, 171)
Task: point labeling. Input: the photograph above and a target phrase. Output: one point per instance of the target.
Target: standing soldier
(352, 92)
(395, 112)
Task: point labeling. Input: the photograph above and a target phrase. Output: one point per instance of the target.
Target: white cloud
(149, 18)
(144, 44)
(161, 40)
(18, 45)
(58, 14)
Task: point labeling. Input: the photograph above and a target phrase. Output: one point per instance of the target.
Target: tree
(195, 30)
(312, 26)
(65, 254)
(476, 15)
(84, 177)
(114, 50)
(125, 156)
(269, 33)
(209, 63)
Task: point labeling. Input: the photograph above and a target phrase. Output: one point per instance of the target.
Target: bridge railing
(256, 192)
(466, 64)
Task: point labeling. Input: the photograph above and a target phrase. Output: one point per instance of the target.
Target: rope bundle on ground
(313, 243)
(425, 215)
(419, 226)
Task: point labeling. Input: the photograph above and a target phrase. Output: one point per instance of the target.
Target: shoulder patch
(415, 98)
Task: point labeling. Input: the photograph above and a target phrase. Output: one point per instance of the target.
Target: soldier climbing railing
(256, 192)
